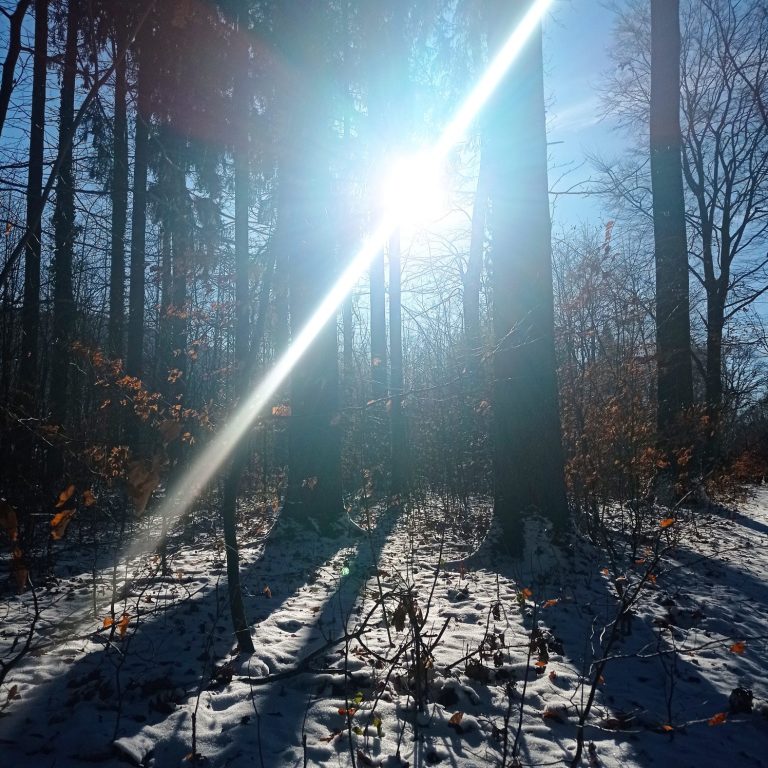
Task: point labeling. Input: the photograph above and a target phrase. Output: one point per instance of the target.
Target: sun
(414, 190)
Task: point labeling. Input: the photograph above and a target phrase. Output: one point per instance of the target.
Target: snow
(507, 648)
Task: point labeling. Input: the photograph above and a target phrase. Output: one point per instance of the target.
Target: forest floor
(418, 643)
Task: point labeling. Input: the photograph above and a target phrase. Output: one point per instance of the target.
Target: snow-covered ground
(418, 644)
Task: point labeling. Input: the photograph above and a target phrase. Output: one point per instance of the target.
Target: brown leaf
(65, 496)
(60, 522)
(267, 592)
(550, 603)
(718, 719)
(667, 521)
(738, 647)
(88, 498)
(456, 718)
(122, 625)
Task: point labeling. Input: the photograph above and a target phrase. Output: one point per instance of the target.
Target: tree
(15, 21)
(673, 329)
(31, 308)
(64, 229)
(528, 454)
(724, 158)
(119, 184)
(314, 474)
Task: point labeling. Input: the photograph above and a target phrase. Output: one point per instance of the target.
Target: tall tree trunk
(673, 332)
(528, 453)
(30, 315)
(399, 459)
(135, 344)
(64, 231)
(242, 366)
(116, 327)
(314, 476)
(7, 84)
(472, 277)
(378, 328)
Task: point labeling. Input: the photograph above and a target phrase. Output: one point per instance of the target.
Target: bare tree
(724, 159)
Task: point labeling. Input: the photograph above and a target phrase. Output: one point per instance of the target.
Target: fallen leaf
(526, 592)
(605, 572)
(667, 728)
(88, 498)
(550, 603)
(122, 625)
(738, 647)
(456, 718)
(666, 522)
(267, 592)
(541, 663)
(718, 719)
(108, 622)
(65, 496)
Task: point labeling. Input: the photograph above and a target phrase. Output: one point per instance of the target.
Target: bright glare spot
(414, 190)
(418, 186)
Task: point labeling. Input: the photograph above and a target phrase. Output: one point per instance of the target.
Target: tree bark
(64, 231)
(16, 19)
(673, 333)
(528, 453)
(399, 442)
(135, 343)
(116, 326)
(314, 476)
(30, 314)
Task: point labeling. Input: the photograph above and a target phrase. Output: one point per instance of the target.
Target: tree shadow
(174, 648)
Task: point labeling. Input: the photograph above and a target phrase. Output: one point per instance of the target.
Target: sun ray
(213, 456)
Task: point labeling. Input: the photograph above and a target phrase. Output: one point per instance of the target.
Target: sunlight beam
(208, 463)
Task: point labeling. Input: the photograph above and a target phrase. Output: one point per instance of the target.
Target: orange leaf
(526, 593)
(122, 625)
(605, 572)
(540, 663)
(455, 718)
(666, 522)
(60, 522)
(281, 410)
(667, 728)
(738, 647)
(65, 496)
(108, 622)
(88, 498)
(718, 719)
(550, 603)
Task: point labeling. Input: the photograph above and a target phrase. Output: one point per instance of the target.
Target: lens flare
(414, 190)
(210, 460)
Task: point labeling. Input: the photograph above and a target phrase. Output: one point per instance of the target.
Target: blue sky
(577, 35)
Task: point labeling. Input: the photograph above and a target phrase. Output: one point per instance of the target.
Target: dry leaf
(550, 603)
(267, 592)
(60, 522)
(122, 625)
(65, 496)
(738, 647)
(281, 410)
(605, 572)
(108, 622)
(456, 718)
(540, 663)
(526, 593)
(667, 728)
(88, 498)
(666, 522)
(718, 719)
